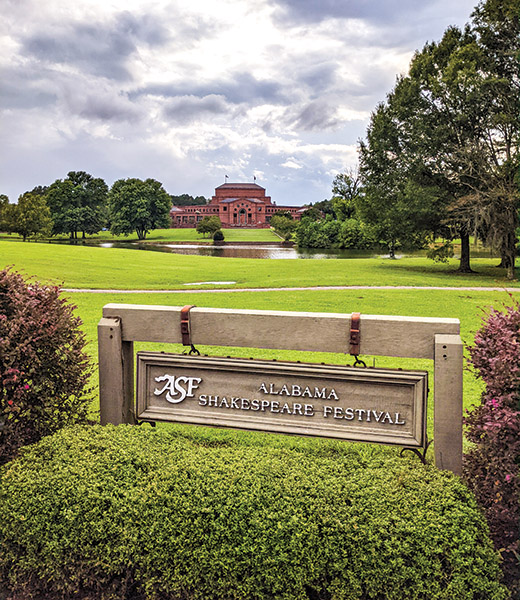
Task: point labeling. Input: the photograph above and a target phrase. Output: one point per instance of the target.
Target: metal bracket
(355, 339)
(355, 336)
(421, 454)
(186, 329)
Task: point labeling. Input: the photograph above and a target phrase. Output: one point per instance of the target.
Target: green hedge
(134, 512)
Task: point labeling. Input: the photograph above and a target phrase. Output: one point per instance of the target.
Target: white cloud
(189, 91)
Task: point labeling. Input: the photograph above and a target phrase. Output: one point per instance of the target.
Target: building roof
(254, 200)
(240, 186)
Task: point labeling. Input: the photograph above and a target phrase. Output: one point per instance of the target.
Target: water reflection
(250, 251)
(272, 251)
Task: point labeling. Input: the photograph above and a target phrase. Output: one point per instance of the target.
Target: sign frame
(432, 338)
(274, 402)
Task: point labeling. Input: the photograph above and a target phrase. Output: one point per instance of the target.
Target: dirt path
(294, 289)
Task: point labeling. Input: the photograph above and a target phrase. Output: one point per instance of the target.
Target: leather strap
(355, 336)
(185, 324)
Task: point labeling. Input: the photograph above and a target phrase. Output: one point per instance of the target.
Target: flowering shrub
(491, 468)
(43, 367)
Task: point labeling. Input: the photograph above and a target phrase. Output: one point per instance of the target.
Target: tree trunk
(511, 255)
(464, 265)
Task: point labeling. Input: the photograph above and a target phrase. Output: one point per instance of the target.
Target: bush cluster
(491, 468)
(43, 366)
(330, 233)
(139, 513)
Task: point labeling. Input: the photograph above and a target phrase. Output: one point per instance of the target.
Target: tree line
(82, 205)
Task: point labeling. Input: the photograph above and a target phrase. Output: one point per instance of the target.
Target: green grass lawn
(177, 235)
(115, 268)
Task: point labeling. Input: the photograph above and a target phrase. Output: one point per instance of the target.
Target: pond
(237, 250)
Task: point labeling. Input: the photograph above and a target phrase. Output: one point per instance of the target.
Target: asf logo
(177, 388)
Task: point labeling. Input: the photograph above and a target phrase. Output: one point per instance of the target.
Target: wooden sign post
(411, 337)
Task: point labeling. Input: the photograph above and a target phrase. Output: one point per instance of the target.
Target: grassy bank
(176, 235)
(113, 268)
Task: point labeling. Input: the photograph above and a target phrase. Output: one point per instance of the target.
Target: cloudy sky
(188, 91)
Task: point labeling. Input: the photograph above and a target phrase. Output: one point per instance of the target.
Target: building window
(224, 208)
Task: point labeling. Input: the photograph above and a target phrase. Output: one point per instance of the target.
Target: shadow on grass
(488, 275)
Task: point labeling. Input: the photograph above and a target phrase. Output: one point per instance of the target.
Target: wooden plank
(411, 337)
(116, 360)
(448, 403)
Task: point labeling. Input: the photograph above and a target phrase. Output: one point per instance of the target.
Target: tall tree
(30, 217)
(497, 185)
(140, 206)
(4, 203)
(78, 204)
(440, 137)
(346, 191)
(399, 212)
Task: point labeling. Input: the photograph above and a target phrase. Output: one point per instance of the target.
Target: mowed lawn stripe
(114, 268)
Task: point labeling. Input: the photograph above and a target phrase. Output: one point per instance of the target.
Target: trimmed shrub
(139, 513)
(492, 467)
(43, 366)
(218, 236)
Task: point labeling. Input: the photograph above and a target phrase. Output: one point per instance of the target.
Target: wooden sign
(357, 404)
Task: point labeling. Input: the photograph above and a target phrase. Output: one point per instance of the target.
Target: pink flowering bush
(44, 370)
(491, 468)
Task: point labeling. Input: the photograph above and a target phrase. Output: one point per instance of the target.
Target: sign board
(357, 404)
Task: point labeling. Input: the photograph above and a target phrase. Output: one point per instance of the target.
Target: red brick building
(236, 205)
